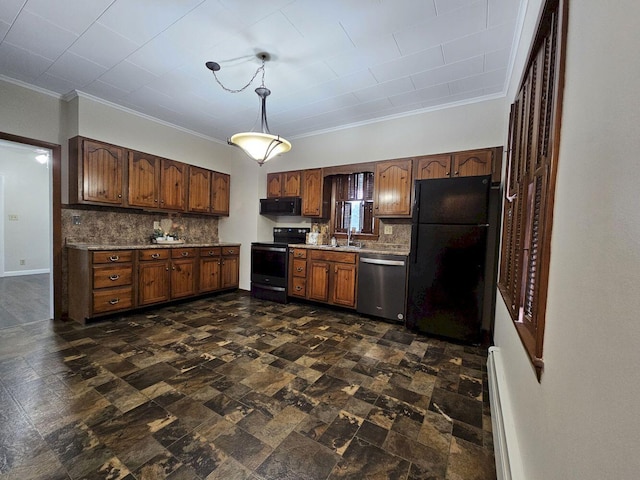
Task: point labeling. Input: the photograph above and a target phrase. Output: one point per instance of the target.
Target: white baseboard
(19, 273)
(505, 440)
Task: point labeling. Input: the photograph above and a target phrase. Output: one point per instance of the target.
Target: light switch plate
(388, 230)
(13, 218)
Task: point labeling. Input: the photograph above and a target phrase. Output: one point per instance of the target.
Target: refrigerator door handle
(414, 242)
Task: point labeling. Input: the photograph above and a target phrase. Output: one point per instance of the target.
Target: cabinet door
(274, 185)
(312, 193)
(230, 272)
(220, 190)
(344, 285)
(318, 280)
(433, 166)
(102, 171)
(393, 188)
(153, 282)
(469, 164)
(291, 184)
(144, 180)
(183, 278)
(209, 274)
(199, 190)
(172, 185)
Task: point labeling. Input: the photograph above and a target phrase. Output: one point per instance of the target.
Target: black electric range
(270, 263)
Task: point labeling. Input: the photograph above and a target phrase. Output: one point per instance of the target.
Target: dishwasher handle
(378, 261)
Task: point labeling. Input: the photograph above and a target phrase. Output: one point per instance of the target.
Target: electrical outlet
(21, 261)
(76, 219)
(388, 230)
(156, 225)
(13, 218)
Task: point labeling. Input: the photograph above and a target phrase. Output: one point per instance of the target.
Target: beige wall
(582, 421)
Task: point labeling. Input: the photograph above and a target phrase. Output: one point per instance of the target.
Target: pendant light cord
(231, 90)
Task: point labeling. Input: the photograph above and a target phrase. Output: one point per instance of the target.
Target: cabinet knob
(114, 301)
(119, 195)
(167, 269)
(155, 200)
(114, 258)
(456, 173)
(114, 277)
(173, 268)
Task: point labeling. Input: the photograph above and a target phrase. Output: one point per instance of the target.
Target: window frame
(532, 164)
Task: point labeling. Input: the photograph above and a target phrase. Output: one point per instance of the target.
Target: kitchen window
(534, 136)
(352, 201)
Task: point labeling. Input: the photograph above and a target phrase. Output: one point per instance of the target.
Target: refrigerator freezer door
(446, 281)
(459, 200)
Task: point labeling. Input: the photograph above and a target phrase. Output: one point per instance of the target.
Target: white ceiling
(334, 62)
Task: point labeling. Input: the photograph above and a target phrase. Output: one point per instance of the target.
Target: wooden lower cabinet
(100, 282)
(324, 276)
(230, 268)
(108, 281)
(210, 262)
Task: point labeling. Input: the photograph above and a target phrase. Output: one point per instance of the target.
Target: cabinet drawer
(230, 250)
(154, 254)
(183, 252)
(299, 252)
(340, 257)
(112, 256)
(112, 299)
(299, 267)
(112, 276)
(210, 252)
(298, 287)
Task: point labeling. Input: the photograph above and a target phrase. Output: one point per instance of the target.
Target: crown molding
(395, 116)
(28, 86)
(79, 94)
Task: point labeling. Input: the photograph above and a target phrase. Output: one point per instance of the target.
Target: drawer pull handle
(114, 277)
(114, 301)
(185, 254)
(299, 269)
(231, 251)
(298, 288)
(114, 258)
(211, 253)
(155, 255)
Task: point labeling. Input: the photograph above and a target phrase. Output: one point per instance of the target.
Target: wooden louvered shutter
(534, 127)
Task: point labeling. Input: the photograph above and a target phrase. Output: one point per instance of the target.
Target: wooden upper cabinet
(392, 186)
(274, 185)
(96, 172)
(473, 163)
(312, 193)
(291, 184)
(144, 180)
(199, 190)
(469, 163)
(283, 184)
(432, 166)
(220, 191)
(172, 185)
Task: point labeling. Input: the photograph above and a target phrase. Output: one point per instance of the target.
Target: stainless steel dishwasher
(382, 285)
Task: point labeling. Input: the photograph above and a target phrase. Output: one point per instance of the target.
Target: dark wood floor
(24, 299)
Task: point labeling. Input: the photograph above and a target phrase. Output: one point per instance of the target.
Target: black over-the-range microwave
(280, 206)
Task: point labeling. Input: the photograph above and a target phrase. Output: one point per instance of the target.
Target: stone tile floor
(231, 387)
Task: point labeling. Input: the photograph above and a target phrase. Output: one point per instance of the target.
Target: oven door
(269, 265)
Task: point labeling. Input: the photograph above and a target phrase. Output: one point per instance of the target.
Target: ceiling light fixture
(261, 146)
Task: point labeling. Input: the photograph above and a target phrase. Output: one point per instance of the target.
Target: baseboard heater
(505, 440)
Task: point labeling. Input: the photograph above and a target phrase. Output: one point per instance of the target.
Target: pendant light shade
(261, 146)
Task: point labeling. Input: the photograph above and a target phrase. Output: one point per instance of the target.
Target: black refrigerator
(447, 260)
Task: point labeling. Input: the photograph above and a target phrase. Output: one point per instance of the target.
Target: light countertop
(401, 251)
(140, 246)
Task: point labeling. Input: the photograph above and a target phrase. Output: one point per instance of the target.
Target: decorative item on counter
(334, 242)
(170, 232)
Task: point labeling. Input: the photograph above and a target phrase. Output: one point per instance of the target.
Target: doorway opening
(30, 230)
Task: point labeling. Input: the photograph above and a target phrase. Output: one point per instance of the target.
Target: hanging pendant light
(261, 146)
